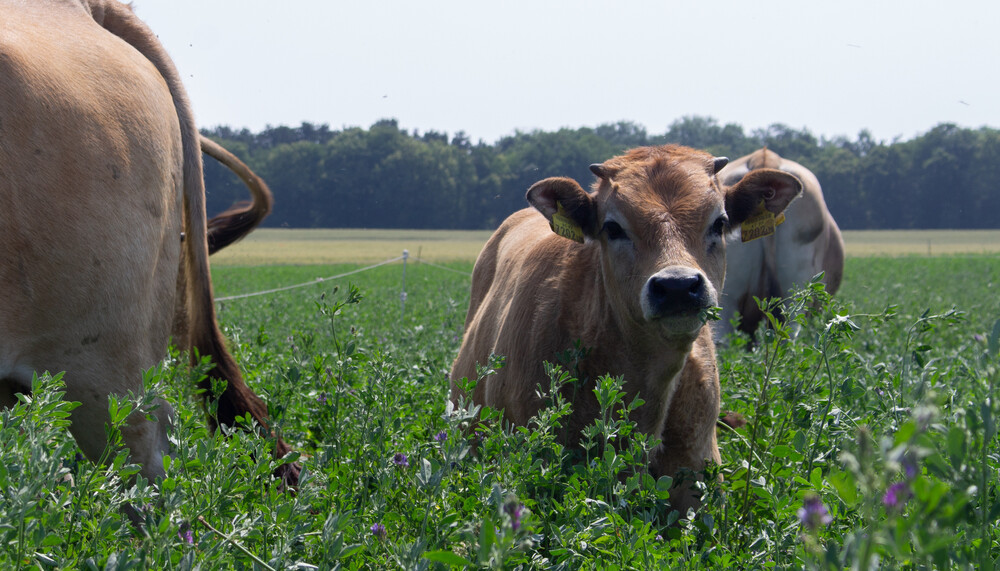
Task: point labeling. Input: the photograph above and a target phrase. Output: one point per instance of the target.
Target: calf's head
(658, 217)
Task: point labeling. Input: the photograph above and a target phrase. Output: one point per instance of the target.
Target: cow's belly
(89, 206)
(745, 270)
(797, 262)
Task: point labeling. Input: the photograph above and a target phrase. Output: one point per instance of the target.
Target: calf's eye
(614, 231)
(719, 226)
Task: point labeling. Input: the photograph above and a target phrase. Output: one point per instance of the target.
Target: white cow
(807, 243)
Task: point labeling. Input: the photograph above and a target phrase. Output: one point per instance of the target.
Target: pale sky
(488, 68)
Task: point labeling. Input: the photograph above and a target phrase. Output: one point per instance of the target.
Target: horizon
(821, 138)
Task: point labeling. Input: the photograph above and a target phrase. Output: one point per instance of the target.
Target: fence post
(402, 295)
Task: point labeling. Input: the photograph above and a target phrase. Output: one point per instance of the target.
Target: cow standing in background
(102, 212)
(644, 265)
(808, 243)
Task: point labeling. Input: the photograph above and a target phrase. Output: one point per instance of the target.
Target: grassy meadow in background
(871, 437)
(282, 246)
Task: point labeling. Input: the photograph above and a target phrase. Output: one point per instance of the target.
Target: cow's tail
(204, 336)
(235, 223)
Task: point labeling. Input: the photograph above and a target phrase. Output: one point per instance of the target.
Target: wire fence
(464, 273)
(402, 295)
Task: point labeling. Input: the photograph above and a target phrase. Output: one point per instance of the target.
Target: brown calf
(634, 292)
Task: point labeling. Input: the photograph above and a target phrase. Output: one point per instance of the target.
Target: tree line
(386, 177)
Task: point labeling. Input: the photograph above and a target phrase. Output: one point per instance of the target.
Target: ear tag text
(565, 226)
(761, 223)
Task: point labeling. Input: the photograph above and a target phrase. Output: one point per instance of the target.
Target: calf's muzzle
(676, 292)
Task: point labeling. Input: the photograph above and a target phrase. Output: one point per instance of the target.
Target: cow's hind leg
(147, 439)
(144, 432)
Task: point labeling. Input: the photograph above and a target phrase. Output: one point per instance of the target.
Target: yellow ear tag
(761, 223)
(565, 226)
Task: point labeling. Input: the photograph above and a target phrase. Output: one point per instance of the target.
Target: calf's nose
(675, 291)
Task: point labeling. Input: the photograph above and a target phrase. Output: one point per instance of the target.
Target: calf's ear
(776, 189)
(571, 212)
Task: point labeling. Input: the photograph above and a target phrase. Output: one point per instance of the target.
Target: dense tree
(706, 133)
(623, 135)
(986, 179)
(840, 168)
(384, 176)
(788, 142)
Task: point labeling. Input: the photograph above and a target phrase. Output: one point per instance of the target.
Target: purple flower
(441, 436)
(321, 399)
(813, 513)
(399, 459)
(910, 466)
(186, 535)
(979, 338)
(378, 531)
(897, 494)
(515, 510)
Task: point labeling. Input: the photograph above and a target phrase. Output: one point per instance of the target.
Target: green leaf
(956, 445)
(781, 451)
(664, 483)
(799, 440)
(843, 483)
(905, 432)
(426, 472)
(816, 479)
(448, 558)
(487, 537)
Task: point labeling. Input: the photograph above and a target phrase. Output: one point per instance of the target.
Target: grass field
(278, 246)
(281, 246)
(921, 242)
(871, 439)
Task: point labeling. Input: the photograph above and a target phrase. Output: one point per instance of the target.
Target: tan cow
(634, 292)
(100, 174)
(808, 243)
